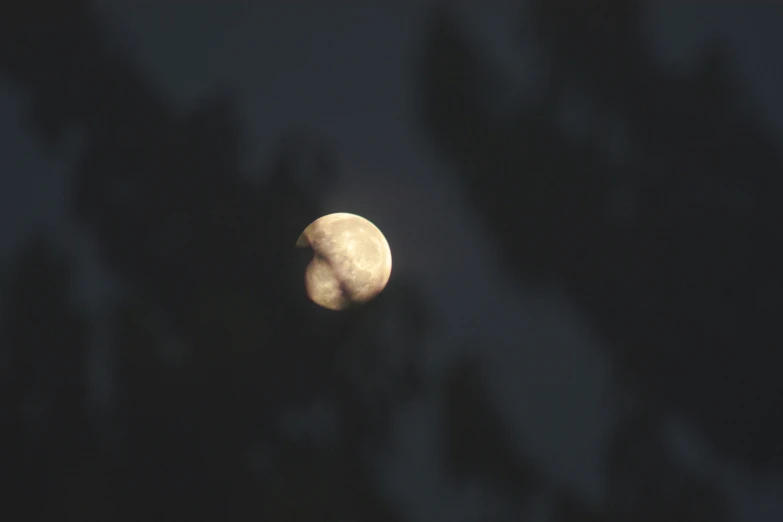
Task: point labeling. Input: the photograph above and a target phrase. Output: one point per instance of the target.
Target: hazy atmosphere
(582, 320)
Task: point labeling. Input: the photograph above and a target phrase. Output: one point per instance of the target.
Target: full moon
(351, 261)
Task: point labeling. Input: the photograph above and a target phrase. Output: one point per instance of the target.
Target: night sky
(343, 74)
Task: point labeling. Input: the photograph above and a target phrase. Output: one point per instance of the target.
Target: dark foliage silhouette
(211, 342)
(477, 442)
(685, 289)
(683, 283)
(44, 378)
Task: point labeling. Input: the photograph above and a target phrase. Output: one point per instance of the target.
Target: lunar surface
(351, 261)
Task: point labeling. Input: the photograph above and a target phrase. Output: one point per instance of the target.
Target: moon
(351, 261)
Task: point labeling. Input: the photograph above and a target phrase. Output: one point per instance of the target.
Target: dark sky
(300, 72)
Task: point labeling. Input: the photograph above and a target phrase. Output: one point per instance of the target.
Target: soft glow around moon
(351, 261)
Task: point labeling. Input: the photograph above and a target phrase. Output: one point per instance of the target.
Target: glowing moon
(351, 261)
